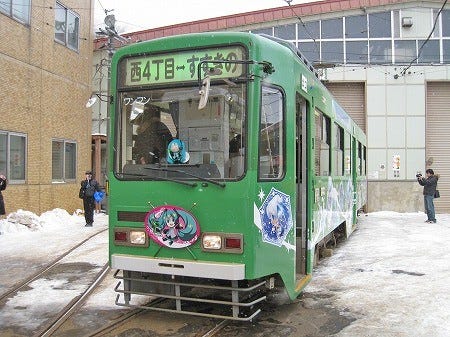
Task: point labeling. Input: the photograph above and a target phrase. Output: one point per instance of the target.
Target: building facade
(388, 63)
(45, 130)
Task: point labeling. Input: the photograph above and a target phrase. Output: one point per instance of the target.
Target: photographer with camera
(429, 183)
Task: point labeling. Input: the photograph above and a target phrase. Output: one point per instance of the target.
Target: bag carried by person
(98, 196)
(437, 194)
(81, 193)
(89, 191)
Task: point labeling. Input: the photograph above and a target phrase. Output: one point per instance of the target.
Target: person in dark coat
(88, 187)
(2, 201)
(153, 136)
(429, 183)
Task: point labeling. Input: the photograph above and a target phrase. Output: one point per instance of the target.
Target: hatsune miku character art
(176, 152)
(276, 217)
(172, 226)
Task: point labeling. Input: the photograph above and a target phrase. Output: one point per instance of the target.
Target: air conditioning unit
(407, 21)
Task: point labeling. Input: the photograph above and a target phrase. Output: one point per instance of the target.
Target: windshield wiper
(157, 178)
(188, 174)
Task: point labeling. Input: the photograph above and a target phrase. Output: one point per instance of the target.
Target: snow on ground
(392, 274)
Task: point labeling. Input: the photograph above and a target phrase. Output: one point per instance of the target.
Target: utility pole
(109, 31)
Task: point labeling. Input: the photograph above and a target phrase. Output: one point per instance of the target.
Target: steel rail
(15, 288)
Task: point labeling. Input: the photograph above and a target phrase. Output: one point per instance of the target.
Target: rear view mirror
(204, 92)
(137, 109)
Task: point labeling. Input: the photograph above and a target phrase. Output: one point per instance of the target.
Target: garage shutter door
(437, 152)
(351, 96)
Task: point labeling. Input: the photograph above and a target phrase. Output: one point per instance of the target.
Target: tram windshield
(161, 134)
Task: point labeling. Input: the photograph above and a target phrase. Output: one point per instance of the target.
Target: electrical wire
(427, 39)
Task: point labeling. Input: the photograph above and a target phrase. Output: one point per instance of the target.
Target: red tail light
(232, 243)
(120, 236)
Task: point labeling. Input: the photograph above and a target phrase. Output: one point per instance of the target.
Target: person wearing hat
(88, 188)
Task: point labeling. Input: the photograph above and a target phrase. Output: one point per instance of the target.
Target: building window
(380, 51)
(271, 135)
(356, 27)
(405, 51)
(267, 31)
(286, 32)
(333, 51)
(309, 30)
(64, 160)
(445, 23)
(332, 29)
(380, 25)
(430, 51)
(356, 52)
(67, 27)
(17, 9)
(310, 50)
(446, 50)
(13, 150)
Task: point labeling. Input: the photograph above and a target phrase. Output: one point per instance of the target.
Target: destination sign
(182, 66)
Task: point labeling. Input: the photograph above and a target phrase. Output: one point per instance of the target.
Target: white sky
(134, 15)
(391, 276)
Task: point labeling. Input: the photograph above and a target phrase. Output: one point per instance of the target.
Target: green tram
(232, 167)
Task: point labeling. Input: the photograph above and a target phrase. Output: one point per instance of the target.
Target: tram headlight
(137, 237)
(132, 237)
(212, 242)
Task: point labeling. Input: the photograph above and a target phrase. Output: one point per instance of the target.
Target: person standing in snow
(88, 188)
(2, 201)
(429, 183)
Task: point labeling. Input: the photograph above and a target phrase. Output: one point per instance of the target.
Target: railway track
(22, 284)
(66, 281)
(74, 305)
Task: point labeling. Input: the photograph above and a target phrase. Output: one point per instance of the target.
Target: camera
(418, 175)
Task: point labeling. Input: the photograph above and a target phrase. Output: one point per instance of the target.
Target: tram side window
(339, 151)
(271, 135)
(359, 159)
(348, 154)
(363, 163)
(323, 141)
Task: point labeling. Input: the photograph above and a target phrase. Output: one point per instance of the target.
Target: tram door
(301, 111)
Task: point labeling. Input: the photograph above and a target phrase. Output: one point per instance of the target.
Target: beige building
(45, 128)
(388, 63)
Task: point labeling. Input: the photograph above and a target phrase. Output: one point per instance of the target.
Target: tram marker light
(120, 236)
(232, 243)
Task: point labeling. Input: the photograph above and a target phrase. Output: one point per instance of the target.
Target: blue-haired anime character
(176, 152)
(175, 227)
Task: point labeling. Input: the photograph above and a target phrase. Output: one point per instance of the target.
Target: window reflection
(271, 138)
(429, 52)
(405, 51)
(333, 51)
(380, 51)
(356, 51)
(332, 29)
(356, 26)
(310, 30)
(380, 24)
(286, 32)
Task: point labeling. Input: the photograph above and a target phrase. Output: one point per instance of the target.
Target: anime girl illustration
(276, 217)
(172, 226)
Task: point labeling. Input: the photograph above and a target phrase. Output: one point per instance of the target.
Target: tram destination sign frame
(181, 66)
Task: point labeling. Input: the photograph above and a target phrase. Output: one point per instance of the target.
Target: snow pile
(26, 221)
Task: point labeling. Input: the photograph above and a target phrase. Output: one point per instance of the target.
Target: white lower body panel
(204, 269)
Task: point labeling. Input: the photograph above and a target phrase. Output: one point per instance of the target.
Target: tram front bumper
(204, 269)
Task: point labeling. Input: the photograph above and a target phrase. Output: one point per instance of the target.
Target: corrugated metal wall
(437, 151)
(352, 97)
